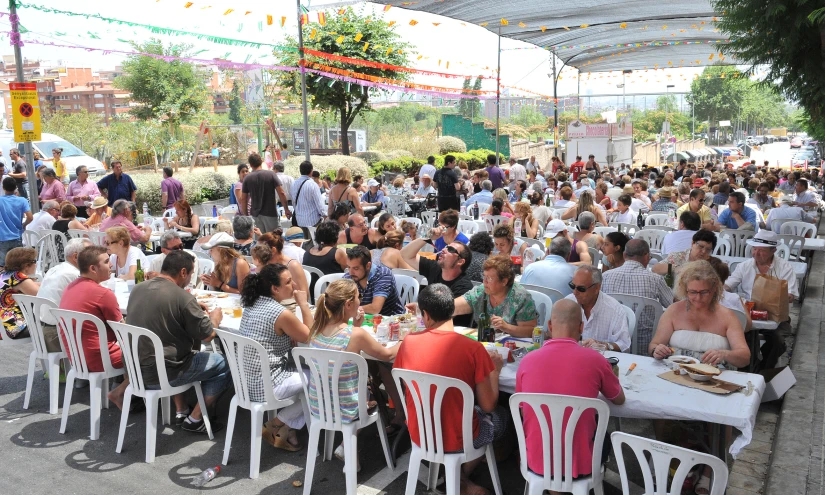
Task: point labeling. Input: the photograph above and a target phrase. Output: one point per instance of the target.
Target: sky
(469, 49)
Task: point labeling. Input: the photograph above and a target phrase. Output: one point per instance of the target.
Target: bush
(392, 155)
(419, 145)
(198, 187)
(450, 144)
(327, 165)
(475, 159)
(370, 156)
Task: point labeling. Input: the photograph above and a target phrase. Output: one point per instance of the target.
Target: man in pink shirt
(52, 188)
(82, 190)
(575, 370)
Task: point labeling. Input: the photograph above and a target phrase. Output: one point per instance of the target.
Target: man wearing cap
(805, 198)
(682, 239)
(294, 240)
(425, 186)
(373, 197)
(553, 271)
(696, 204)
(765, 262)
(738, 216)
(665, 202)
(788, 211)
(170, 242)
(448, 185)
(117, 185)
(579, 254)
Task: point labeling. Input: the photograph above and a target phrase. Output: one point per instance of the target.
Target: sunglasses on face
(451, 250)
(579, 288)
(179, 247)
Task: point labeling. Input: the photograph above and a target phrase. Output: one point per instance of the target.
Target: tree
(528, 116)
(174, 91)
(667, 103)
(235, 104)
(470, 107)
(84, 129)
(790, 41)
(347, 100)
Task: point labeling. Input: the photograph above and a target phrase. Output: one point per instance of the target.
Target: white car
(72, 156)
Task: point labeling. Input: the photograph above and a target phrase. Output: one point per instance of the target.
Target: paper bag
(771, 294)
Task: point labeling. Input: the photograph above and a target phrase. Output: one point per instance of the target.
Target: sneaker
(180, 417)
(192, 426)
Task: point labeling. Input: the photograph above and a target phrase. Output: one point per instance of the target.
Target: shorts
(448, 203)
(51, 338)
(210, 369)
(6, 246)
(267, 224)
(491, 426)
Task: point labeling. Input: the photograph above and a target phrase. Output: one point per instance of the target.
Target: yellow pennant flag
(389, 50)
(420, 57)
(413, 22)
(340, 39)
(228, 11)
(584, 26)
(283, 21)
(566, 28)
(358, 37)
(484, 24)
(366, 45)
(312, 34)
(390, 23)
(269, 20)
(623, 25)
(522, 25)
(505, 22)
(543, 29)
(448, 64)
(188, 4)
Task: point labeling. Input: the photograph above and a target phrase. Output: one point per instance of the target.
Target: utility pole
(303, 80)
(555, 107)
(498, 94)
(27, 146)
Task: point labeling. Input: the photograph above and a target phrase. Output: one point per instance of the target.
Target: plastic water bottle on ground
(206, 476)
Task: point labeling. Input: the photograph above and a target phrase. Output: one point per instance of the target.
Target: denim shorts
(6, 246)
(209, 368)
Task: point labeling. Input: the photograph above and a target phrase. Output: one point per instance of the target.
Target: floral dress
(13, 322)
(517, 306)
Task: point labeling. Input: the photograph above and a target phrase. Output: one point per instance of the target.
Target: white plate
(699, 378)
(683, 360)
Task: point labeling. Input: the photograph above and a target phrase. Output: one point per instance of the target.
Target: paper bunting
(387, 7)
(188, 4)
(366, 45)
(228, 11)
(269, 20)
(304, 19)
(522, 25)
(505, 22)
(413, 22)
(322, 18)
(543, 29)
(340, 39)
(358, 37)
(283, 21)
(391, 23)
(623, 25)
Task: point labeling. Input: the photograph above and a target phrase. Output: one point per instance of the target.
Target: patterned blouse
(258, 324)
(517, 306)
(347, 380)
(13, 322)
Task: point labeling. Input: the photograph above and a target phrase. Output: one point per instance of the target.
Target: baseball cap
(554, 228)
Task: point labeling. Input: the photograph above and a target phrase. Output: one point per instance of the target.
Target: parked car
(72, 156)
(796, 143)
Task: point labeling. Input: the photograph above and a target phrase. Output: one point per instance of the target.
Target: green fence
(474, 134)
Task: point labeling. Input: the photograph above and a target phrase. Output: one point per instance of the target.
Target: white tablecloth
(815, 244)
(228, 323)
(650, 397)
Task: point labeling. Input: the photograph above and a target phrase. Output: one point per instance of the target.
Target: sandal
(703, 485)
(279, 438)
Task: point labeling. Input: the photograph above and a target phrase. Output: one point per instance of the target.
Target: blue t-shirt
(728, 221)
(381, 283)
(117, 189)
(12, 209)
(441, 244)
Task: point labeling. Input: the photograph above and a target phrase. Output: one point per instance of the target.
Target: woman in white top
(123, 257)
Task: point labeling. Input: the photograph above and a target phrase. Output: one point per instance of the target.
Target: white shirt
(53, 285)
(787, 212)
(132, 258)
(806, 197)
(607, 322)
(157, 263)
(517, 172)
(639, 204)
(745, 274)
(286, 183)
(732, 301)
(293, 251)
(578, 192)
(678, 240)
(41, 221)
(533, 166)
(626, 217)
(564, 202)
(427, 169)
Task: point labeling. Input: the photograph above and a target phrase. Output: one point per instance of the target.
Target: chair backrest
(208, 225)
(309, 271)
(660, 456)
(70, 329)
(795, 243)
(467, 227)
(322, 283)
(76, 233)
(553, 294)
(628, 229)
(397, 205)
(631, 325)
(422, 280)
(603, 231)
(30, 237)
(802, 229)
(47, 256)
(158, 225)
(544, 306)
(640, 306)
(430, 430)
(149, 259)
(595, 256)
(98, 238)
(656, 219)
(538, 253)
(558, 476)
(723, 247)
(738, 240)
(429, 217)
(497, 219)
(776, 225)
(31, 307)
(170, 213)
(654, 238)
(533, 242)
(242, 354)
(407, 288)
(128, 337)
(663, 228)
(205, 267)
(205, 256)
(324, 368)
(743, 319)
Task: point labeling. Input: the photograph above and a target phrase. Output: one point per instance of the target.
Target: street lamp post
(624, 88)
(667, 109)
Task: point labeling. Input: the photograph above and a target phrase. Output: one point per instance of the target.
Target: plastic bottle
(463, 198)
(407, 240)
(214, 211)
(145, 210)
(382, 332)
(517, 227)
(206, 476)
(528, 257)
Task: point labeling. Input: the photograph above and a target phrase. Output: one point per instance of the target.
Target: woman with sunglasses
(123, 256)
(702, 247)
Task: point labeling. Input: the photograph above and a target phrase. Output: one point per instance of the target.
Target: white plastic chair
(544, 307)
(201, 255)
(639, 304)
(631, 325)
(776, 225)
(47, 255)
(397, 205)
(323, 282)
(309, 271)
(533, 242)
(538, 254)
(723, 247)
(170, 213)
(467, 227)
(430, 431)
(207, 225)
(70, 325)
(595, 256)
(628, 229)
(795, 243)
(802, 229)
(76, 233)
(97, 238)
(656, 219)
(324, 371)
(407, 288)
(31, 308)
(663, 228)
(782, 250)
(661, 456)
(128, 337)
(205, 267)
(241, 353)
(557, 476)
(30, 237)
(654, 238)
(553, 294)
(497, 219)
(429, 218)
(603, 231)
(422, 280)
(738, 240)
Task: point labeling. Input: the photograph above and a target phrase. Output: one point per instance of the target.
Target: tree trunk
(343, 133)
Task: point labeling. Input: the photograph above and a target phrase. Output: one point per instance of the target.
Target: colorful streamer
(390, 87)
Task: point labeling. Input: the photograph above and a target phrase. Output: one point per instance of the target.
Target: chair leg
(94, 406)
(67, 400)
(151, 427)
(385, 444)
(412, 471)
(351, 460)
(30, 380)
(491, 464)
(54, 384)
(124, 416)
(230, 428)
(166, 410)
(202, 403)
(452, 472)
(255, 450)
(432, 477)
(329, 438)
(314, 435)
(105, 393)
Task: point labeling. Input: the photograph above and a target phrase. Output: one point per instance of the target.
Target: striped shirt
(309, 209)
(347, 379)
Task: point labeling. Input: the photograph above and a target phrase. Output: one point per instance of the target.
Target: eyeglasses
(704, 247)
(451, 250)
(179, 247)
(695, 293)
(579, 288)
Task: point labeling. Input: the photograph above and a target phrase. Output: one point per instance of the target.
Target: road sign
(25, 111)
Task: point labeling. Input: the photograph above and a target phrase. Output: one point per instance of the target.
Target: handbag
(771, 294)
(298, 195)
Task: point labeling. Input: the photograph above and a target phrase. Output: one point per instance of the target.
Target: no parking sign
(25, 111)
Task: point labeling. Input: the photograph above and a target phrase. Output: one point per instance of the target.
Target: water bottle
(382, 332)
(463, 198)
(517, 227)
(407, 240)
(206, 476)
(145, 210)
(214, 211)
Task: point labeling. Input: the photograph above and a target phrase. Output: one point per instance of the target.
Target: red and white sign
(579, 130)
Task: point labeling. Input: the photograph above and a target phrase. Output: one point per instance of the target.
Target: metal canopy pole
(578, 95)
(498, 94)
(303, 80)
(555, 108)
(34, 202)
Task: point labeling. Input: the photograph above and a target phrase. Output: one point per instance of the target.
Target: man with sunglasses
(605, 320)
(169, 243)
(449, 268)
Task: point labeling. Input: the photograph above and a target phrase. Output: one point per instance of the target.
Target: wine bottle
(138, 274)
(669, 276)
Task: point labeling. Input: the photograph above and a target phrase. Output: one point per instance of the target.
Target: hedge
(450, 144)
(327, 166)
(475, 159)
(198, 187)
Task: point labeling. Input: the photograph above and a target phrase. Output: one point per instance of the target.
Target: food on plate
(222, 295)
(204, 296)
(702, 369)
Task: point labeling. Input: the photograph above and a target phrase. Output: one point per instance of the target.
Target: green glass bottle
(669, 276)
(138, 274)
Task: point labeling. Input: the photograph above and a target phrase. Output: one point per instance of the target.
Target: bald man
(577, 371)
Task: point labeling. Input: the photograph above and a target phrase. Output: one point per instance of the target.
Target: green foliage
(198, 186)
(475, 159)
(370, 156)
(83, 129)
(450, 144)
(345, 99)
(174, 91)
(528, 116)
(327, 165)
(667, 103)
(646, 125)
(420, 145)
(391, 155)
(235, 104)
(786, 37)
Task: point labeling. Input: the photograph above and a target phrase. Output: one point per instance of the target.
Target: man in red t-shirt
(441, 351)
(86, 295)
(576, 168)
(576, 371)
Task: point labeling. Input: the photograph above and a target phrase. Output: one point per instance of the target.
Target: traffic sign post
(25, 112)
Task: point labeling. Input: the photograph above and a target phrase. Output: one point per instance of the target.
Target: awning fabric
(617, 35)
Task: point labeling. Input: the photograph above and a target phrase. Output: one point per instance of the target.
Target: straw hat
(99, 202)
(295, 234)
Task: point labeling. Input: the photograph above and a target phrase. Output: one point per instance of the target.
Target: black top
(458, 286)
(446, 180)
(326, 263)
(61, 226)
(364, 242)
